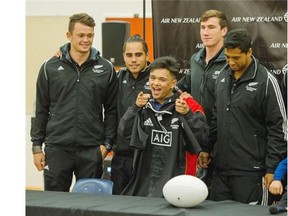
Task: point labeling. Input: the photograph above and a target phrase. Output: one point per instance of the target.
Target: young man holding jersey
(166, 132)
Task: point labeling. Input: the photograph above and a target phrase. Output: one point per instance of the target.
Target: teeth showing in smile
(156, 90)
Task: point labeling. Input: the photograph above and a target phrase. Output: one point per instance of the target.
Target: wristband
(36, 149)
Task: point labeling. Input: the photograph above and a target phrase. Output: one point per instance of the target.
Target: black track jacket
(249, 131)
(200, 82)
(70, 101)
(129, 88)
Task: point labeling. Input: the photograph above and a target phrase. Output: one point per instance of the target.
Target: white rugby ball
(185, 191)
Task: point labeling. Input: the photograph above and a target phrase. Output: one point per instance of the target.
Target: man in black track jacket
(205, 66)
(133, 78)
(75, 111)
(248, 133)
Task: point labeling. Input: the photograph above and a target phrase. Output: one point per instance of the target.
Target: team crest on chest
(174, 123)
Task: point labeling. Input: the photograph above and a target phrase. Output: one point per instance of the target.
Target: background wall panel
(136, 27)
(44, 36)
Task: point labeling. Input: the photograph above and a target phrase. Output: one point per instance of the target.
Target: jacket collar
(94, 53)
(200, 56)
(168, 106)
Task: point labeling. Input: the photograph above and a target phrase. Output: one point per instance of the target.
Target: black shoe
(277, 209)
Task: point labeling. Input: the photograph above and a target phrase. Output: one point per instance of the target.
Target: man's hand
(181, 106)
(58, 54)
(142, 99)
(276, 187)
(203, 159)
(104, 151)
(39, 160)
(268, 178)
(185, 95)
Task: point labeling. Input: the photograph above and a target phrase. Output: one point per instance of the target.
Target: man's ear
(224, 31)
(174, 82)
(68, 35)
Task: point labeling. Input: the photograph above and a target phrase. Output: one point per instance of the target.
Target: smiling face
(135, 58)
(81, 38)
(238, 60)
(211, 32)
(162, 82)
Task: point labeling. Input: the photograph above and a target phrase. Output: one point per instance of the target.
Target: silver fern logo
(252, 86)
(174, 123)
(215, 74)
(97, 69)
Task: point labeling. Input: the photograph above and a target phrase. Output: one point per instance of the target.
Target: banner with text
(176, 28)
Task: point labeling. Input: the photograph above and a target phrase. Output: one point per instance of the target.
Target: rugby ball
(185, 191)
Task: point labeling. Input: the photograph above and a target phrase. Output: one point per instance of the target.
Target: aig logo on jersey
(161, 138)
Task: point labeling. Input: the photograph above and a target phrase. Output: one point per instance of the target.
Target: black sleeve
(284, 89)
(40, 114)
(126, 122)
(212, 138)
(110, 109)
(138, 136)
